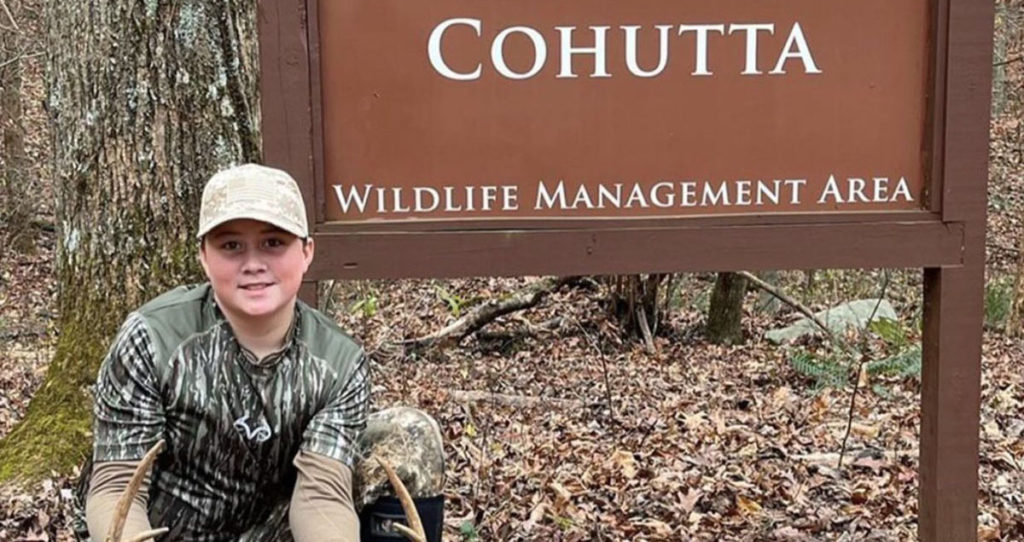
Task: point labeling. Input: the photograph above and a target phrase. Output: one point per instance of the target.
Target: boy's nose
(253, 263)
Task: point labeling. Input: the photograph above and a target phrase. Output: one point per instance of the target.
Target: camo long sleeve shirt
(233, 425)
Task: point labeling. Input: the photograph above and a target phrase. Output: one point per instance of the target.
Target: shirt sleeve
(128, 413)
(109, 480)
(334, 430)
(321, 506)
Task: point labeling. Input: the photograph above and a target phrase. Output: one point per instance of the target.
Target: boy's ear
(308, 249)
(202, 257)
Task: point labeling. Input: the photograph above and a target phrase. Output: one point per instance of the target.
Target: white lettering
(631, 61)
(398, 201)
(381, 195)
(902, 189)
(751, 30)
(803, 52)
(831, 190)
(689, 189)
(598, 50)
(510, 197)
(668, 200)
(795, 185)
(701, 63)
(742, 192)
(540, 52)
(855, 190)
(449, 199)
(881, 191)
(434, 50)
(489, 195)
(603, 194)
(548, 199)
(582, 196)
(769, 193)
(713, 197)
(637, 194)
(418, 193)
(345, 201)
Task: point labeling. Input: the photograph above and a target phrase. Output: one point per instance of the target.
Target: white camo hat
(256, 192)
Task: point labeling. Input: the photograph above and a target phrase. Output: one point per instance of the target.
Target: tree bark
(725, 313)
(146, 100)
(631, 295)
(14, 209)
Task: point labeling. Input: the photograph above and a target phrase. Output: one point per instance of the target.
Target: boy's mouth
(256, 286)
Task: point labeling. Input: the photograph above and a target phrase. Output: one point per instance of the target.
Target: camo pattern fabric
(410, 440)
(232, 424)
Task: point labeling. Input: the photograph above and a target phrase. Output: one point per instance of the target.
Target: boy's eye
(273, 242)
(230, 245)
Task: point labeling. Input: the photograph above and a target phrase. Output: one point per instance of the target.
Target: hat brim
(269, 218)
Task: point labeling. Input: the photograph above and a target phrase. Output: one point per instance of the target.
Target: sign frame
(945, 239)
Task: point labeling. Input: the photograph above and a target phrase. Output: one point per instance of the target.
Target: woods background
(607, 408)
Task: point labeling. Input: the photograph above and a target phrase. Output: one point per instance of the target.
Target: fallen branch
(831, 458)
(511, 400)
(489, 311)
(1009, 61)
(415, 530)
(645, 330)
(10, 17)
(782, 296)
(528, 330)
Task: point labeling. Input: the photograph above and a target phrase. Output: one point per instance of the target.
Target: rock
(839, 319)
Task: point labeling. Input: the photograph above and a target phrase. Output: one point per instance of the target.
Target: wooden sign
(455, 109)
(455, 138)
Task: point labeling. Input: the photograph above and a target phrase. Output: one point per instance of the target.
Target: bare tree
(14, 211)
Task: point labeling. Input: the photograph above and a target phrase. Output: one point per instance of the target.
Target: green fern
(826, 372)
(903, 364)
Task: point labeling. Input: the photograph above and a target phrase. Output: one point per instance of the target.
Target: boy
(261, 399)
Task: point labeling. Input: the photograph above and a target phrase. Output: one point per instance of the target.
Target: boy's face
(255, 268)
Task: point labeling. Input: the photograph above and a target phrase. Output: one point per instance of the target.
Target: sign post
(458, 138)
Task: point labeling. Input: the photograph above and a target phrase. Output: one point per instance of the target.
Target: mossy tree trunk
(725, 312)
(146, 100)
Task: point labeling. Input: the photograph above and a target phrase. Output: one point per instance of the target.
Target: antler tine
(415, 530)
(125, 502)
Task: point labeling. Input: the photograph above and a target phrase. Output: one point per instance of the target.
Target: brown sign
(456, 109)
(762, 122)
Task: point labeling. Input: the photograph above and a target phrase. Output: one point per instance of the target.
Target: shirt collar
(214, 313)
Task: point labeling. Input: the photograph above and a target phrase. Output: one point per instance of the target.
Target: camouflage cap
(256, 192)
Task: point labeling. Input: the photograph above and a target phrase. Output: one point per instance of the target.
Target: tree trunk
(633, 295)
(14, 209)
(146, 100)
(725, 313)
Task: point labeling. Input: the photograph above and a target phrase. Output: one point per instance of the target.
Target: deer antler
(125, 502)
(415, 530)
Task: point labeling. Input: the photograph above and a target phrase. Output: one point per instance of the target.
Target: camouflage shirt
(232, 425)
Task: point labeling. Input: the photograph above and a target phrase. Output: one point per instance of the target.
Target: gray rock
(839, 319)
